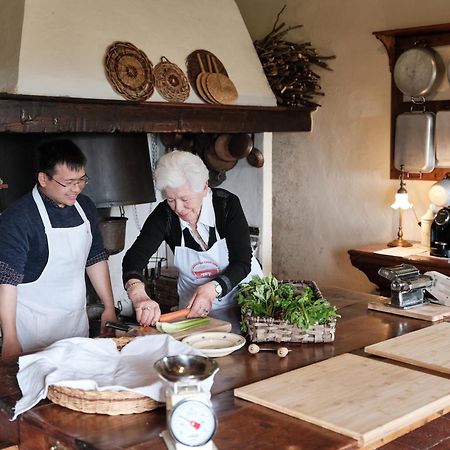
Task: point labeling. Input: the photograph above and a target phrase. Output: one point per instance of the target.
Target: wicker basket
(262, 329)
(102, 402)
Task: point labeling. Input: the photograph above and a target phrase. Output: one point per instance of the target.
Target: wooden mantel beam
(40, 114)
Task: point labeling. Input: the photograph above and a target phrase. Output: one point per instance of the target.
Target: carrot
(169, 317)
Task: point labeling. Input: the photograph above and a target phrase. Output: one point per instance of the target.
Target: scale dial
(192, 423)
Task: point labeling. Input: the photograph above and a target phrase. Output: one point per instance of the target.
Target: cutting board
(428, 348)
(360, 397)
(212, 325)
(430, 312)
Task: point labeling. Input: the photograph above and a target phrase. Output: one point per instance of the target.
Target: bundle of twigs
(287, 66)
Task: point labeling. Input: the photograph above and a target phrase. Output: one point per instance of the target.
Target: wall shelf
(40, 114)
(395, 42)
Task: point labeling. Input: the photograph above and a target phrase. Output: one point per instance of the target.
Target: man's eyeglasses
(81, 182)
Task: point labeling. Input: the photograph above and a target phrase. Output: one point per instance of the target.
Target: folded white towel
(96, 364)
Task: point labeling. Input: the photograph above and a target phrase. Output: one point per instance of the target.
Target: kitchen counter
(367, 260)
(242, 424)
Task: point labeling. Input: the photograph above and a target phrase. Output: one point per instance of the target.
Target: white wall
(64, 43)
(331, 187)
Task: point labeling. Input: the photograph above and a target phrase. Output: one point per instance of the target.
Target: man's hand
(109, 314)
(10, 347)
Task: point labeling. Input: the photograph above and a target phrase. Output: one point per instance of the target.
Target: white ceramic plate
(215, 343)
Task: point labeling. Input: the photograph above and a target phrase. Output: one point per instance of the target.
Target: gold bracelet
(133, 284)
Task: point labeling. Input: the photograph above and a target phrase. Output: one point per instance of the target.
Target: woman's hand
(201, 301)
(147, 310)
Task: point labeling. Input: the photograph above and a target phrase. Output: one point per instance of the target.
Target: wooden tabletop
(241, 424)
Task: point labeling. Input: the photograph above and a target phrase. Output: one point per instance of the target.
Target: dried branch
(287, 66)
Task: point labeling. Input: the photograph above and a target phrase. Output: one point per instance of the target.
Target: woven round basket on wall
(129, 71)
(170, 81)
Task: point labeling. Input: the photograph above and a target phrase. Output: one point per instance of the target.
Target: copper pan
(240, 145)
(171, 140)
(216, 178)
(213, 162)
(221, 147)
(255, 158)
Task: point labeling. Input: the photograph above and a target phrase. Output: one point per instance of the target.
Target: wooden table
(366, 260)
(242, 425)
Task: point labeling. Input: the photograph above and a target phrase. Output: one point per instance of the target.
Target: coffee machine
(440, 234)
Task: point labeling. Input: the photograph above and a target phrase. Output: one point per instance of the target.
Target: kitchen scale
(191, 420)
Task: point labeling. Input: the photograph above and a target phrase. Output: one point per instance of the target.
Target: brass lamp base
(399, 243)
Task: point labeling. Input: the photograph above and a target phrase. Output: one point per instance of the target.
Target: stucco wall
(63, 43)
(331, 187)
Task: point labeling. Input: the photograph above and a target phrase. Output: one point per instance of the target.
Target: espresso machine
(440, 234)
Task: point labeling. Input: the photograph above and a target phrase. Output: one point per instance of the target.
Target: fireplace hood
(52, 77)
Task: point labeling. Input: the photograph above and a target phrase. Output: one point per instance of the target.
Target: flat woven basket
(129, 71)
(262, 329)
(102, 402)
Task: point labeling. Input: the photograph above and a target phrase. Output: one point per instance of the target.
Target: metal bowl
(185, 368)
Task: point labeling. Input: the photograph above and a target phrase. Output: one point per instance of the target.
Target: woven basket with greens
(295, 311)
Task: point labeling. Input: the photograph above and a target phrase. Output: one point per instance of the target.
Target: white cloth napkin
(96, 364)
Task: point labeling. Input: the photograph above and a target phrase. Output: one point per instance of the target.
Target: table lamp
(401, 202)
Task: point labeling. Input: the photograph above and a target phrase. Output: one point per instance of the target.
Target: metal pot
(113, 233)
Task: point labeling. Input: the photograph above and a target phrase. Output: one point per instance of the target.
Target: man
(48, 240)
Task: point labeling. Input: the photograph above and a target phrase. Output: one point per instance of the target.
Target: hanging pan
(417, 71)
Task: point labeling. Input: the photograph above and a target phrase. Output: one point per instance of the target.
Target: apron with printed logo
(197, 268)
(53, 307)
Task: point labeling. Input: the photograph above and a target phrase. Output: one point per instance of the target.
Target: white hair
(180, 167)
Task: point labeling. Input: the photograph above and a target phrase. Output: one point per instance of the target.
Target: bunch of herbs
(268, 297)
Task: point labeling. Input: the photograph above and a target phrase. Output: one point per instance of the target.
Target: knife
(168, 317)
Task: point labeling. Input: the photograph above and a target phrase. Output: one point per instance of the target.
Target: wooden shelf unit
(396, 42)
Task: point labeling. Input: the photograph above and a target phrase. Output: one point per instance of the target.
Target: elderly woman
(207, 232)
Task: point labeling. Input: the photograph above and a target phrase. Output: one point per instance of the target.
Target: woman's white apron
(54, 306)
(197, 268)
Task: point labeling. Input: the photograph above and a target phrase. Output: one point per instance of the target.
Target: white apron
(197, 268)
(54, 306)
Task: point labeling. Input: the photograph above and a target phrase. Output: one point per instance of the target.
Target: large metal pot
(113, 233)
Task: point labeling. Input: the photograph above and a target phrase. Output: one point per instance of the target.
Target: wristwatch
(218, 289)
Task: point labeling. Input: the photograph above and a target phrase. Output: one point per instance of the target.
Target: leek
(182, 325)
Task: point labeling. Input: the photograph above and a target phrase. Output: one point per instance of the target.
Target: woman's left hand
(201, 301)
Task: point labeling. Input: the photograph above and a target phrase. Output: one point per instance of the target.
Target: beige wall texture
(331, 187)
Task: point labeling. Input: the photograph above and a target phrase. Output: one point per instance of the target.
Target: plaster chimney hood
(52, 77)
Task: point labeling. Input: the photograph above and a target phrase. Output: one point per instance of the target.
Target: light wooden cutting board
(360, 397)
(428, 348)
(212, 325)
(430, 312)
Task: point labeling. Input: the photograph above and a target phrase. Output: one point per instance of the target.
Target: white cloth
(96, 364)
(54, 306)
(197, 268)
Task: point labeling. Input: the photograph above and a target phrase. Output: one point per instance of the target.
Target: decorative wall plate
(170, 81)
(129, 71)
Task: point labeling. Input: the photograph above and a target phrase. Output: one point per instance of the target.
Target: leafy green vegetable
(268, 297)
(182, 325)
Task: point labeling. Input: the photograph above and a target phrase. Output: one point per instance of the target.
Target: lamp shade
(401, 201)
